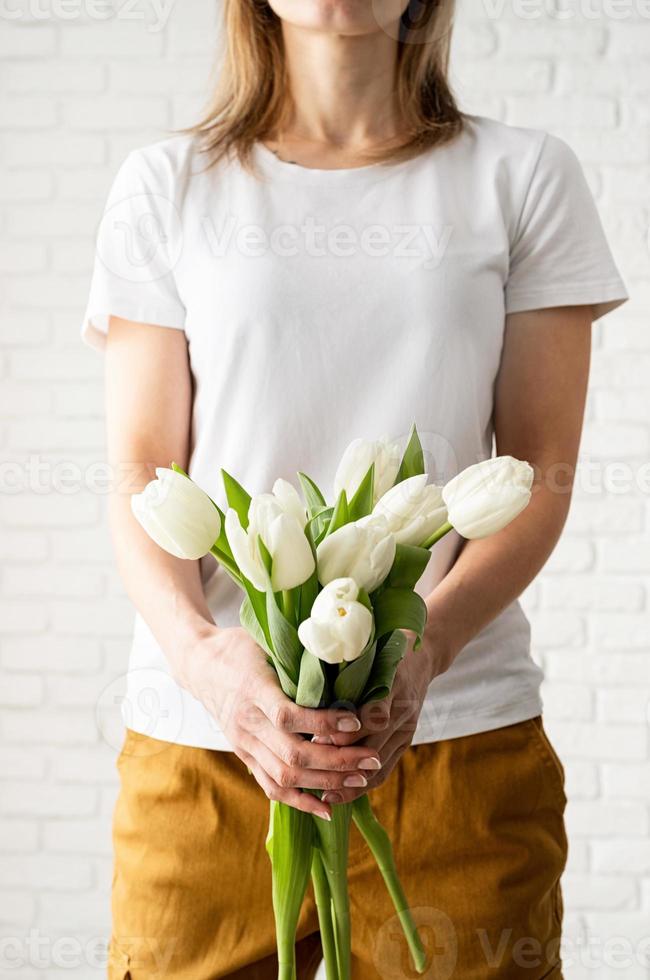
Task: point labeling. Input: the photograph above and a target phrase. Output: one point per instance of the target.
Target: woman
(335, 252)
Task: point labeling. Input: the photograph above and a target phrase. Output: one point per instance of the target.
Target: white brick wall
(78, 93)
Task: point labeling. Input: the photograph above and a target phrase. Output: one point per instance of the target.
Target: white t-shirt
(322, 305)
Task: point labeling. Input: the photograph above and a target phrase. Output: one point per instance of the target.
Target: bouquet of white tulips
(328, 592)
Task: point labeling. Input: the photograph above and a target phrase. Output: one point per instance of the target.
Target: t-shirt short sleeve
(138, 246)
(559, 255)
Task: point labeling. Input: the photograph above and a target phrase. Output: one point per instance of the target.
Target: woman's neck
(343, 95)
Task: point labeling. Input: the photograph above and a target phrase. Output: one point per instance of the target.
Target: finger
(285, 716)
(296, 776)
(375, 718)
(299, 753)
(292, 797)
(391, 755)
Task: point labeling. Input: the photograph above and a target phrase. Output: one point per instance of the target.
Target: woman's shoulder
(492, 140)
(164, 167)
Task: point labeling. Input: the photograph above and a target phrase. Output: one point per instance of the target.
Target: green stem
(379, 843)
(324, 907)
(440, 533)
(289, 845)
(289, 605)
(333, 843)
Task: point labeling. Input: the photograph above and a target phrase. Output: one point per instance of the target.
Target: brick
(568, 702)
(25, 546)
(621, 631)
(523, 41)
(19, 400)
(628, 557)
(56, 434)
(51, 726)
(588, 740)
(114, 39)
(571, 555)
(21, 692)
(26, 42)
(78, 399)
(623, 781)
(598, 892)
(16, 907)
(116, 113)
(43, 871)
(28, 113)
(69, 763)
(70, 912)
(25, 185)
(20, 763)
(620, 668)
(78, 837)
(108, 617)
(69, 77)
(543, 111)
(86, 545)
(50, 509)
(71, 150)
(58, 654)
(25, 329)
(20, 616)
(39, 800)
(624, 704)
(582, 782)
(18, 836)
(599, 818)
(55, 365)
(592, 593)
(22, 258)
(621, 856)
(629, 41)
(50, 582)
(557, 629)
(605, 515)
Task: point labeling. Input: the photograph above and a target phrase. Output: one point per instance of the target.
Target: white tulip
(363, 550)
(357, 460)
(484, 498)
(414, 509)
(279, 519)
(339, 627)
(177, 514)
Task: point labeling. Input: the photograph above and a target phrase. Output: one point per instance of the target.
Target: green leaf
(408, 566)
(284, 638)
(316, 527)
(250, 622)
(314, 499)
(311, 682)
(340, 514)
(308, 592)
(413, 459)
(363, 500)
(399, 609)
(386, 662)
(352, 678)
(289, 845)
(228, 563)
(237, 497)
(179, 469)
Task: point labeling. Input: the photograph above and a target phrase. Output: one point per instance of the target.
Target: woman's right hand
(230, 675)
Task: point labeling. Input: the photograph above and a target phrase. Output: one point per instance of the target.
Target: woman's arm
(148, 408)
(539, 406)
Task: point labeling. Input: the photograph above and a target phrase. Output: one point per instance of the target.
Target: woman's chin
(343, 17)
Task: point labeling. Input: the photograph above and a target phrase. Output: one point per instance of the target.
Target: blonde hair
(252, 97)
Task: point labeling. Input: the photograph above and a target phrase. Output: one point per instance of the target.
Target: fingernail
(322, 740)
(356, 780)
(351, 724)
(331, 797)
(370, 764)
(324, 815)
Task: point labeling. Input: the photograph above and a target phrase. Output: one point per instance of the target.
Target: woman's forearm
(166, 591)
(491, 573)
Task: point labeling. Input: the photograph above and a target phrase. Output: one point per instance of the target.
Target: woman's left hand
(389, 725)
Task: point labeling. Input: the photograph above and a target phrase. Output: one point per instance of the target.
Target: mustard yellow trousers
(477, 827)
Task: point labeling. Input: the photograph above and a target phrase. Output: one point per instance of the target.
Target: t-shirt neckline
(295, 173)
